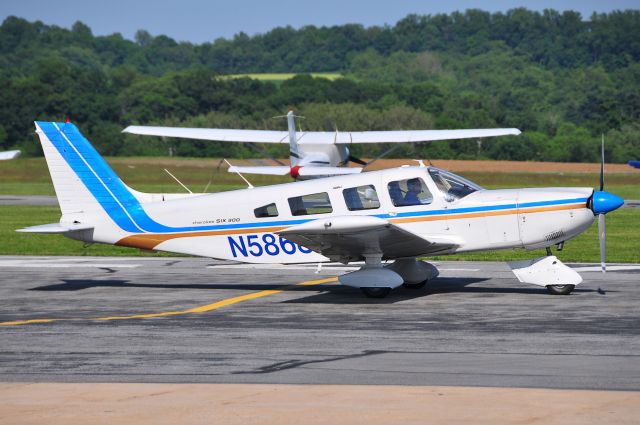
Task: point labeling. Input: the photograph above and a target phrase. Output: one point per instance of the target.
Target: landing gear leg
(415, 273)
(373, 280)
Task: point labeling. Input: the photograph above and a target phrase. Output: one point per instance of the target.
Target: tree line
(563, 80)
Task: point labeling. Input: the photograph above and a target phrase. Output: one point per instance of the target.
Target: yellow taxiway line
(195, 310)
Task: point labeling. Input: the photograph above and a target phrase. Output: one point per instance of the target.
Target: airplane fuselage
(243, 225)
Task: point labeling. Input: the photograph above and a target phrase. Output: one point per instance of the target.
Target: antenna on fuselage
(176, 179)
(232, 168)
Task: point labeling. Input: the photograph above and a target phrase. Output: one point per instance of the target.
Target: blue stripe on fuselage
(125, 210)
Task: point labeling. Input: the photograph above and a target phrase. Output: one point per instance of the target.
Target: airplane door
(416, 203)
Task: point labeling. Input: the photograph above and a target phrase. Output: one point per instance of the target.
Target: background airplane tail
(294, 153)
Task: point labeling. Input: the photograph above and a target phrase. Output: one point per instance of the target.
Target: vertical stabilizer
(294, 154)
(82, 179)
(73, 195)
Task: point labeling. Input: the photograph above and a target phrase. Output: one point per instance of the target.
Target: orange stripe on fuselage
(487, 213)
(151, 240)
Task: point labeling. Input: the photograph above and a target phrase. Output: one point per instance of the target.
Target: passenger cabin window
(409, 192)
(267, 211)
(361, 198)
(316, 203)
(451, 185)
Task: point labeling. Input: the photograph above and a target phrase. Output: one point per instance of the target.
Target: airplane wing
(319, 137)
(217, 134)
(401, 136)
(351, 236)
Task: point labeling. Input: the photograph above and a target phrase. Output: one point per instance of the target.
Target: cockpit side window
(361, 198)
(409, 192)
(266, 211)
(452, 186)
(315, 203)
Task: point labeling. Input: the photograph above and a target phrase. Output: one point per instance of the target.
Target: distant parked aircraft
(6, 155)
(315, 153)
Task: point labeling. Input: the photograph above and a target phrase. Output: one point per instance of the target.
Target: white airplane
(315, 153)
(7, 155)
(394, 215)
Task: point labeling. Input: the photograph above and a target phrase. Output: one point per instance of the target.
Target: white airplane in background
(7, 155)
(396, 215)
(315, 153)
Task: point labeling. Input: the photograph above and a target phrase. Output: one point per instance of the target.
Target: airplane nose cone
(604, 202)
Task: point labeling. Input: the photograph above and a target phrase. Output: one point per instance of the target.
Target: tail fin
(83, 181)
(294, 154)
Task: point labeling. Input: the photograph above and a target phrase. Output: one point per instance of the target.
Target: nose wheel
(560, 289)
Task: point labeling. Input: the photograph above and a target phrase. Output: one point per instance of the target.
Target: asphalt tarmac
(185, 320)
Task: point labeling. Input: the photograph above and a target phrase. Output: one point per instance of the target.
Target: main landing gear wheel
(560, 289)
(376, 292)
(415, 285)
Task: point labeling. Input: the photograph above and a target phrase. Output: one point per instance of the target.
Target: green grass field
(29, 176)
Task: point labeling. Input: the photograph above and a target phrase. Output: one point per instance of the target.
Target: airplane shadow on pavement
(321, 294)
(338, 294)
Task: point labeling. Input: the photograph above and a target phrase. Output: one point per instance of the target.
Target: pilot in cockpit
(414, 188)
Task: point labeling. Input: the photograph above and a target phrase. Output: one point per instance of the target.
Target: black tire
(415, 285)
(560, 289)
(376, 292)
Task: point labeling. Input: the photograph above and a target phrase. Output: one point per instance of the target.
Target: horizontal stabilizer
(307, 171)
(275, 170)
(6, 155)
(55, 228)
(319, 137)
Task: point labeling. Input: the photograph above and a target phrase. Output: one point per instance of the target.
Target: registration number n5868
(264, 244)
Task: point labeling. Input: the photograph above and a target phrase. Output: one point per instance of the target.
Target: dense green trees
(561, 79)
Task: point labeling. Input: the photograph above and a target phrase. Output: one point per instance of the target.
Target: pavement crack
(292, 364)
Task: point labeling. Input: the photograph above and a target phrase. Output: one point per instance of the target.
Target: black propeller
(602, 165)
(357, 160)
(603, 202)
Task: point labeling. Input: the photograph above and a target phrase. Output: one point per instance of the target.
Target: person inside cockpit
(414, 188)
(396, 194)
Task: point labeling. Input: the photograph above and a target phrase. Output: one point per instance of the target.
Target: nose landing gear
(560, 289)
(549, 272)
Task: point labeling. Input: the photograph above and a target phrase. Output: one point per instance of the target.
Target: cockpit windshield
(452, 186)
